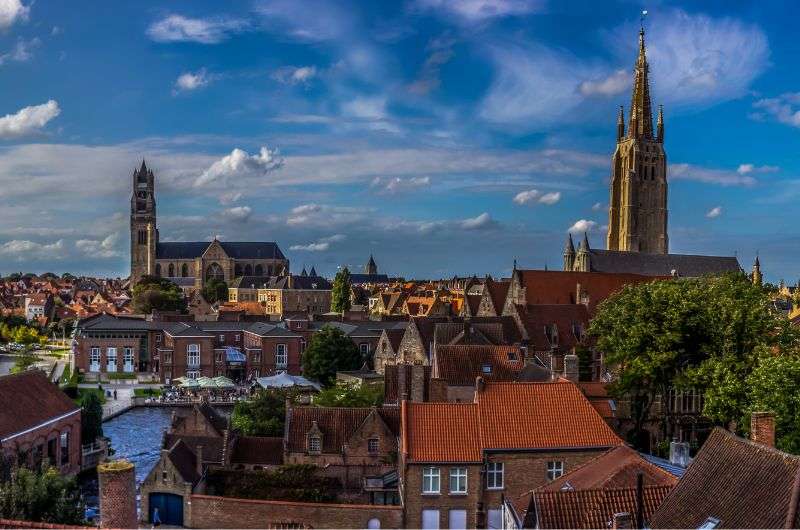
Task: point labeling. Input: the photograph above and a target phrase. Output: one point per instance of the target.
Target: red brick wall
(222, 512)
(25, 443)
(117, 493)
(180, 345)
(84, 347)
(415, 501)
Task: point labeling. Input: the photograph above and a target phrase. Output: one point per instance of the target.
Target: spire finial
(641, 118)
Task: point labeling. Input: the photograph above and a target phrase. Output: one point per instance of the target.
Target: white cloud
(21, 249)
(616, 83)
(745, 169)
(366, 108)
(239, 164)
(480, 10)
(177, 28)
(784, 109)
(22, 51)
(399, 184)
(596, 207)
(482, 222)
(12, 11)
(324, 216)
(105, 248)
(295, 75)
(530, 196)
(584, 225)
(440, 52)
(317, 21)
(230, 197)
(321, 244)
(189, 81)
(28, 120)
(714, 212)
(239, 214)
(710, 176)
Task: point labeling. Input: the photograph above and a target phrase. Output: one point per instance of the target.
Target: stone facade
(637, 214)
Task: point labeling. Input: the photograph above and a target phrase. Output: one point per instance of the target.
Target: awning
(234, 355)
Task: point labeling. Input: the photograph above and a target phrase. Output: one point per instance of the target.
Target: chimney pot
(571, 370)
(480, 384)
(762, 428)
(622, 520)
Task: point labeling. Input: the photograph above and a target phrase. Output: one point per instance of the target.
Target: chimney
(762, 428)
(621, 520)
(679, 453)
(417, 383)
(402, 390)
(199, 458)
(480, 384)
(117, 492)
(571, 367)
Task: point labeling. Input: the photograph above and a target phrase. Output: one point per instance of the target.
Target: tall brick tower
(144, 234)
(637, 213)
(117, 491)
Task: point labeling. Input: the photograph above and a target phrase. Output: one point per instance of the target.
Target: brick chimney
(417, 383)
(402, 385)
(571, 367)
(762, 428)
(622, 520)
(117, 492)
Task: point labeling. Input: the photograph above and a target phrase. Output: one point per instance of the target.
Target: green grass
(83, 391)
(121, 375)
(146, 392)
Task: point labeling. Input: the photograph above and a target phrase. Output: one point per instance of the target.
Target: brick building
(459, 461)
(39, 423)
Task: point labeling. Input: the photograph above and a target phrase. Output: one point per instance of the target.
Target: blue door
(169, 506)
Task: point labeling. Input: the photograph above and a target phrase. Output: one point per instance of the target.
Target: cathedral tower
(637, 215)
(144, 234)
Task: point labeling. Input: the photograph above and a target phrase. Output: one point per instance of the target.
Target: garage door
(169, 506)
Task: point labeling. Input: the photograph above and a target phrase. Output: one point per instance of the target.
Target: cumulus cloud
(480, 10)
(11, 12)
(317, 215)
(105, 248)
(714, 212)
(784, 109)
(531, 196)
(321, 245)
(584, 225)
(710, 176)
(21, 249)
(177, 28)
(239, 214)
(189, 81)
(295, 75)
(483, 222)
(616, 83)
(240, 164)
(399, 184)
(28, 120)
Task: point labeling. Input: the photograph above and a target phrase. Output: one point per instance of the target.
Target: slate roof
(28, 400)
(185, 461)
(593, 508)
(265, 329)
(259, 450)
(212, 445)
(461, 365)
(105, 321)
(336, 423)
(250, 282)
(182, 329)
(660, 264)
(741, 483)
(235, 250)
(565, 316)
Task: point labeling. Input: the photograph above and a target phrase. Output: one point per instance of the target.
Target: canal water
(136, 436)
(6, 362)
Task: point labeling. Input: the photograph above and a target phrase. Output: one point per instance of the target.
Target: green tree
(350, 395)
(340, 293)
(328, 352)
(153, 293)
(24, 361)
(774, 385)
(42, 496)
(698, 332)
(215, 291)
(91, 417)
(264, 415)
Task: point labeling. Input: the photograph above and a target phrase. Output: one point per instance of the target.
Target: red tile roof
(441, 432)
(336, 423)
(564, 316)
(262, 450)
(540, 415)
(30, 399)
(460, 365)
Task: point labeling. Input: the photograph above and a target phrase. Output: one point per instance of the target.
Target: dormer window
(373, 446)
(314, 444)
(486, 368)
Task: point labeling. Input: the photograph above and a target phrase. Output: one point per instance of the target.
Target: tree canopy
(91, 418)
(264, 415)
(42, 496)
(350, 395)
(703, 333)
(328, 352)
(215, 290)
(160, 294)
(340, 294)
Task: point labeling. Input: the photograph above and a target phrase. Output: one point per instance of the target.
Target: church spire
(621, 124)
(660, 125)
(641, 117)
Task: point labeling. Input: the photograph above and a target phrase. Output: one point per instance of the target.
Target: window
(111, 359)
(237, 338)
(64, 439)
(554, 470)
(142, 237)
(257, 357)
(314, 444)
(94, 360)
(302, 345)
(192, 374)
(486, 368)
(430, 519)
(52, 449)
(494, 518)
(280, 355)
(494, 475)
(364, 348)
(458, 519)
(458, 480)
(373, 445)
(184, 270)
(128, 360)
(158, 338)
(430, 480)
(193, 354)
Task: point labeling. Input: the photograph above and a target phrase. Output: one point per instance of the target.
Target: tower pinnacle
(641, 118)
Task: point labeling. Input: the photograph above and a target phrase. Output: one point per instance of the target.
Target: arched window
(259, 270)
(248, 270)
(171, 271)
(237, 270)
(184, 270)
(158, 270)
(214, 271)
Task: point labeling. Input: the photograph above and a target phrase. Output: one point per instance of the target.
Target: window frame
(281, 351)
(493, 471)
(374, 446)
(555, 469)
(429, 475)
(192, 350)
(458, 474)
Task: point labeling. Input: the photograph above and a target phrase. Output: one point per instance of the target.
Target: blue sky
(443, 137)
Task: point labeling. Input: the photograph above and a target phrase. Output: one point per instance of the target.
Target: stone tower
(637, 215)
(371, 267)
(117, 492)
(569, 254)
(757, 277)
(144, 234)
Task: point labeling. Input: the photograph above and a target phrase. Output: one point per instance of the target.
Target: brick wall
(21, 448)
(222, 512)
(411, 349)
(117, 492)
(415, 501)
